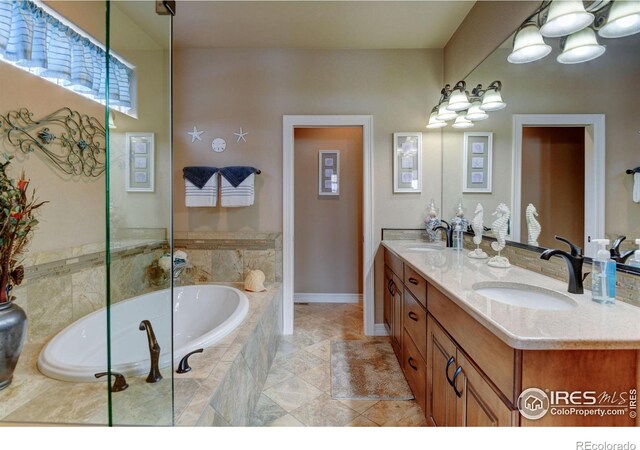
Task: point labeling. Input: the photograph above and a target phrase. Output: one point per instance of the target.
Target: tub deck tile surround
(199, 395)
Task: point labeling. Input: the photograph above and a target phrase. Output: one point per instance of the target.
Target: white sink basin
(524, 296)
(423, 248)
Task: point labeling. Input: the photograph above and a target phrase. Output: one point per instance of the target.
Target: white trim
(308, 297)
(289, 123)
(380, 330)
(594, 169)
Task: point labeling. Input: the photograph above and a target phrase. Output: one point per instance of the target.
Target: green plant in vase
(17, 224)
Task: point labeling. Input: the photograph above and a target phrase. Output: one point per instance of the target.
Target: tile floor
(298, 389)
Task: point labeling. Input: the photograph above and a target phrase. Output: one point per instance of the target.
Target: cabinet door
(388, 300)
(397, 315)
(478, 405)
(441, 398)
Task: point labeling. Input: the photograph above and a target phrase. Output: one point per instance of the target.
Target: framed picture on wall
(329, 172)
(407, 162)
(477, 162)
(139, 169)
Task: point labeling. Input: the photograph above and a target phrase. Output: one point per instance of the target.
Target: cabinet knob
(453, 384)
(451, 360)
(413, 281)
(412, 364)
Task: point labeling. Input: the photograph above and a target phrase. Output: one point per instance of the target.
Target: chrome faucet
(574, 264)
(178, 268)
(154, 352)
(615, 251)
(448, 231)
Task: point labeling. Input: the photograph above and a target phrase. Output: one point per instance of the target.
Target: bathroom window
(36, 39)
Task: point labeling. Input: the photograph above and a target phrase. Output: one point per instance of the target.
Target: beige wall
(486, 27)
(598, 87)
(221, 90)
(76, 212)
(328, 229)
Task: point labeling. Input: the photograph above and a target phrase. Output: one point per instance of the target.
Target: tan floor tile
(359, 405)
(286, 421)
(361, 421)
(324, 412)
(292, 393)
(277, 374)
(319, 377)
(298, 362)
(396, 414)
(321, 349)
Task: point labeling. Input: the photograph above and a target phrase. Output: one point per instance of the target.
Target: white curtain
(33, 39)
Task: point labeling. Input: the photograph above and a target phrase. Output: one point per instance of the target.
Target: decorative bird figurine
(533, 226)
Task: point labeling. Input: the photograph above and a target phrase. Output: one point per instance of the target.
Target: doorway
(593, 173)
(290, 123)
(328, 215)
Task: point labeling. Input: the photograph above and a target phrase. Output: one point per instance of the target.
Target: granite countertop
(589, 325)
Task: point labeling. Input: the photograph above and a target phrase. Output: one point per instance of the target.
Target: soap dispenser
(603, 274)
(635, 260)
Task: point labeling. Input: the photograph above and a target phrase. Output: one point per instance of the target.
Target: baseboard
(380, 330)
(305, 297)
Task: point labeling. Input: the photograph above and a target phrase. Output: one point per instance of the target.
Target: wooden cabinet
(396, 328)
(441, 398)
(457, 393)
(414, 319)
(388, 299)
(414, 369)
(393, 293)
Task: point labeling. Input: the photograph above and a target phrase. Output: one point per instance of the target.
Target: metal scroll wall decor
(74, 142)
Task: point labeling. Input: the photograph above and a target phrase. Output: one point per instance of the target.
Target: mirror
(551, 147)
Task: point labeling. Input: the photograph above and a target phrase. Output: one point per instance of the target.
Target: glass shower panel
(53, 127)
(139, 209)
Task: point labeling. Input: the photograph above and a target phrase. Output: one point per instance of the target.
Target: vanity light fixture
(444, 114)
(469, 108)
(475, 114)
(566, 17)
(461, 121)
(576, 25)
(433, 120)
(459, 100)
(623, 20)
(580, 47)
(528, 45)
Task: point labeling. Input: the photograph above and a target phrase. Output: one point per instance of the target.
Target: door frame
(594, 166)
(289, 124)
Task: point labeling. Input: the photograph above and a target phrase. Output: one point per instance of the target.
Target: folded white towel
(636, 187)
(199, 198)
(243, 195)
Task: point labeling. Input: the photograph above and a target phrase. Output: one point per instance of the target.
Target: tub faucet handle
(184, 366)
(119, 385)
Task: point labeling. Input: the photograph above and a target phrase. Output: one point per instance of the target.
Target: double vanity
(471, 339)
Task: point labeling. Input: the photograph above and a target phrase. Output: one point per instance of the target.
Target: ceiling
(305, 24)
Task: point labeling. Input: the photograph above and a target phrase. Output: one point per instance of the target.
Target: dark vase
(13, 327)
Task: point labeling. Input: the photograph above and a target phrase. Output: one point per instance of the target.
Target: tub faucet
(574, 264)
(154, 351)
(178, 268)
(448, 231)
(615, 251)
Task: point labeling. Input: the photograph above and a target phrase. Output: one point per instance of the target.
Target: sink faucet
(154, 351)
(448, 231)
(574, 264)
(615, 251)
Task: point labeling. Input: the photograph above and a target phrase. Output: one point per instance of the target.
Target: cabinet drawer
(495, 358)
(415, 322)
(416, 284)
(394, 263)
(414, 370)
